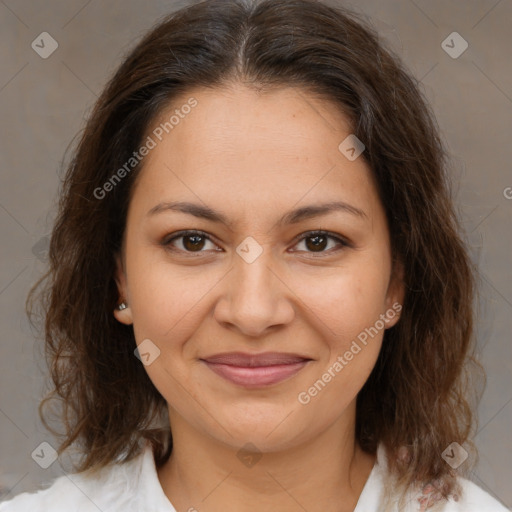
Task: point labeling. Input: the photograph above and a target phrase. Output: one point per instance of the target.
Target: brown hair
(416, 396)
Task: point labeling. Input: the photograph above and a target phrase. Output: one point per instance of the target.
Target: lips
(251, 360)
(256, 370)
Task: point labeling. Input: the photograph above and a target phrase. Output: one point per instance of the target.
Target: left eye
(318, 240)
(194, 241)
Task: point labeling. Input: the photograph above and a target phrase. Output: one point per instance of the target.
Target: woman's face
(256, 282)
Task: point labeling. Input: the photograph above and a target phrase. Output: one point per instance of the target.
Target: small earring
(122, 306)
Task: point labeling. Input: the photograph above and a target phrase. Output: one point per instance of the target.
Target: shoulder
(382, 492)
(474, 499)
(43, 499)
(113, 487)
(468, 497)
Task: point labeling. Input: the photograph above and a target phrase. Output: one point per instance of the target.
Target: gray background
(43, 103)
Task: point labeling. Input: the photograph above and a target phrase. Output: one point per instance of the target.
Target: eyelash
(166, 242)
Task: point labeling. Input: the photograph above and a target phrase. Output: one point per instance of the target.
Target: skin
(254, 157)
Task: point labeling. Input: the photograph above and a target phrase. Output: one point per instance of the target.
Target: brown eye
(318, 241)
(193, 242)
(187, 241)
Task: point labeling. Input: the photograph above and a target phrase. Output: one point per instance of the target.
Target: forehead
(238, 145)
(244, 121)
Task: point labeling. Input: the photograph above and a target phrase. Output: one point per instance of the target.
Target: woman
(258, 297)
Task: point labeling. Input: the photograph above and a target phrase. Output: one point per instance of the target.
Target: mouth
(256, 370)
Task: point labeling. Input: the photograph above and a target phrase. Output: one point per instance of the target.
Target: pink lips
(256, 370)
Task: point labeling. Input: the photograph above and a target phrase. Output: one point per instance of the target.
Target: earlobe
(123, 314)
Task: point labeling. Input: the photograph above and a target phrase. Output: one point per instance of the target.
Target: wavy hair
(416, 397)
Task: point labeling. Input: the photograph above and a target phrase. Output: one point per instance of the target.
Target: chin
(270, 428)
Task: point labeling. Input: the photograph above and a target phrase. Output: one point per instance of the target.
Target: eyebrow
(291, 217)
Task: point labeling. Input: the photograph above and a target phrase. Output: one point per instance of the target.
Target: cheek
(346, 300)
(166, 300)
(167, 309)
(347, 316)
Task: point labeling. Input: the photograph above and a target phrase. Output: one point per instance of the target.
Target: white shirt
(134, 487)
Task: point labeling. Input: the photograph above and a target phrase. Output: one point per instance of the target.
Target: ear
(125, 315)
(395, 294)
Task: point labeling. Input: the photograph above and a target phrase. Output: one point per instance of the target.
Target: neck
(325, 474)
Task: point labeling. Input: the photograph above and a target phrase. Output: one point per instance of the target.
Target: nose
(255, 298)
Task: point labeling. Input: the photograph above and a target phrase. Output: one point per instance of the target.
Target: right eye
(191, 241)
